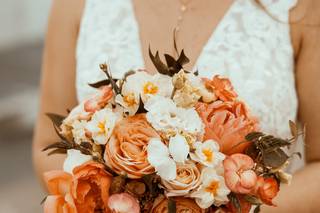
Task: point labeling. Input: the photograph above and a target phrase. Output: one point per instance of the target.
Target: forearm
(302, 195)
(42, 162)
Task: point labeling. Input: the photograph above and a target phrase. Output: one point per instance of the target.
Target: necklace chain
(183, 9)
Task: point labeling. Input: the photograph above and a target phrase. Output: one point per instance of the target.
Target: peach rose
(188, 178)
(99, 100)
(60, 199)
(182, 205)
(238, 173)
(267, 189)
(90, 187)
(123, 202)
(227, 123)
(221, 87)
(126, 152)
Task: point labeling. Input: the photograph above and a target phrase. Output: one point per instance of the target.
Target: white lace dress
(249, 46)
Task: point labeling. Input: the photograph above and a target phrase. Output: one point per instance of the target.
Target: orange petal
(53, 204)
(58, 182)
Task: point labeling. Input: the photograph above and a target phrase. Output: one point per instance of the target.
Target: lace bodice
(250, 46)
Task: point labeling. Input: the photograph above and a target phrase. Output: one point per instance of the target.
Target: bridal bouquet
(168, 142)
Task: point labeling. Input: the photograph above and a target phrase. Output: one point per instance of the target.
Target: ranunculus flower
(101, 125)
(123, 203)
(100, 99)
(90, 187)
(126, 152)
(267, 189)
(221, 87)
(238, 173)
(188, 178)
(182, 205)
(212, 190)
(227, 123)
(59, 200)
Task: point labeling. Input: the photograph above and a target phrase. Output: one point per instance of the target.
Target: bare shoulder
(305, 23)
(69, 11)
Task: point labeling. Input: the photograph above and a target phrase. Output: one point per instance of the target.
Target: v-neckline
(210, 39)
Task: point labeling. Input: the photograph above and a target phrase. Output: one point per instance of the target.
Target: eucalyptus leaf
(57, 151)
(56, 119)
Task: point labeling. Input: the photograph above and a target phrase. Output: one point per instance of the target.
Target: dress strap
(279, 8)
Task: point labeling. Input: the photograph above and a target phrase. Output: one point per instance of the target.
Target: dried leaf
(99, 84)
(171, 206)
(58, 151)
(160, 66)
(56, 119)
(293, 129)
(141, 108)
(136, 187)
(117, 185)
(235, 202)
(43, 200)
(86, 145)
(274, 158)
(104, 68)
(183, 59)
(257, 209)
(253, 200)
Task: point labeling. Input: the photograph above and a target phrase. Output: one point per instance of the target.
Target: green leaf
(172, 208)
(274, 158)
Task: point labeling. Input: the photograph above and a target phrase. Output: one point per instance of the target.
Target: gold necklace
(184, 7)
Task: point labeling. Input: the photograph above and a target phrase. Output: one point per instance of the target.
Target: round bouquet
(168, 142)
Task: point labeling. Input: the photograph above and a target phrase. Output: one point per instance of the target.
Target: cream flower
(164, 159)
(207, 153)
(188, 179)
(79, 131)
(213, 189)
(165, 116)
(189, 89)
(143, 85)
(101, 125)
(74, 158)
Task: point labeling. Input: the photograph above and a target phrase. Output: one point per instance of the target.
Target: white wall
(22, 21)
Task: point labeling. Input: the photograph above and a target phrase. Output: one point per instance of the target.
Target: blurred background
(23, 26)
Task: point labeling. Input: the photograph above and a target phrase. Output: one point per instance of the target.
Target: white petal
(167, 170)
(74, 158)
(157, 152)
(179, 148)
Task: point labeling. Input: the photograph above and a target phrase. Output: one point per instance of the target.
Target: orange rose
(126, 152)
(60, 199)
(90, 187)
(221, 87)
(267, 189)
(182, 205)
(227, 123)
